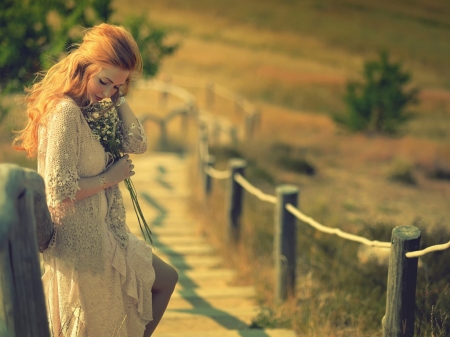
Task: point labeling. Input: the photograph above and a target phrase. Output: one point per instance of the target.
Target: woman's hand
(120, 170)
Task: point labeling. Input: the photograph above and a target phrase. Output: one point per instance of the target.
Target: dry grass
(295, 74)
(351, 190)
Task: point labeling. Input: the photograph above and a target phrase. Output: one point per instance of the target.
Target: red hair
(103, 46)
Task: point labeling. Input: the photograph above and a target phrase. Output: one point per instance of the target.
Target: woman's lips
(97, 98)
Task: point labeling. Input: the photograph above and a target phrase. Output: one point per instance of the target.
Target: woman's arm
(134, 138)
(128, 119)
(119, 171)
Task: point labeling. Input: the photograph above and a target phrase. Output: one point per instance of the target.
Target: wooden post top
(406, 232)
(237, 163)
(14, 181)
(12, 185)
(211, 159)
(287, 189)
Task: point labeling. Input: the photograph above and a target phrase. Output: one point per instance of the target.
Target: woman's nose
(107, 92)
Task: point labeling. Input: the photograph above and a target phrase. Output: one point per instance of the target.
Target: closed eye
(104, 83)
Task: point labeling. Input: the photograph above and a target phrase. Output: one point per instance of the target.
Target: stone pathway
(204, 304)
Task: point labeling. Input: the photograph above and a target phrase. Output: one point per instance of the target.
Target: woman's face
(106, 83)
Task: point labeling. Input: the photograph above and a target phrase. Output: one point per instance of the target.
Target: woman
(99, 279)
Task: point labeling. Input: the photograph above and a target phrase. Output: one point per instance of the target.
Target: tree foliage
(34, 33)
(151, 42)
(378, 104)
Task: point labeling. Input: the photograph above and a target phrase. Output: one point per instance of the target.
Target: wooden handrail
(25, 228)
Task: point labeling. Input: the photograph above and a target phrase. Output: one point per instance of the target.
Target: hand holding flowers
(104, 123)
(120, 170)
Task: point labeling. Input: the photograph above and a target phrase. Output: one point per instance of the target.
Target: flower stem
(145, 229)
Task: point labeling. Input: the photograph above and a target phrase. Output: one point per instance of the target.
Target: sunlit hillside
(293, 59)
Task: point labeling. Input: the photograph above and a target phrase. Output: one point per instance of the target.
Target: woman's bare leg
(166, 277)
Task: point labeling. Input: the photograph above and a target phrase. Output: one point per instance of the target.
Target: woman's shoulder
(67, 103)
(66, 109)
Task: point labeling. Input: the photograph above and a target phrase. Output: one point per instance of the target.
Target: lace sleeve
(62, 154)
(132, 143)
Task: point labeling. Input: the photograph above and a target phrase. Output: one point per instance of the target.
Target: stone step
(203, 304)
(209, 293)
(178, 240)
(221, 302)
(221, 273)
(192, 262)
(178, 193)
(207, 319)
(218, 297)
(164, 219)
(163, 229)
(204, 278)
(230, 333)
(182, 250)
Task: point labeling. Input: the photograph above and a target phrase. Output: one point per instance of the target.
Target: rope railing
(220, 175)
(295, 211)
(161, 86)
(246, 109)
(224, 92)
(430, 249)
(352, 237)
(403, 261)
(403, 253)
(253, 190)
(313, 223)
(233, 96)
(216, 174)
(215, 88)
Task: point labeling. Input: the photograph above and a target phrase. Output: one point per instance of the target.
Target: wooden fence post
(184, 123)
(209, 94)
(210, 161)
(202, 150)
(7, 288)
(23, 301)
(257, 114)
(233, 135)
(216, 130)
(190, 111)
(163, 135)
(238, 104)
(250, 120)
(234, 211)
(398, 320)
(165, 92)
(285, 242)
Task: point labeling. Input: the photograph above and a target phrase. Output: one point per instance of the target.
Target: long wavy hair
(103, 46)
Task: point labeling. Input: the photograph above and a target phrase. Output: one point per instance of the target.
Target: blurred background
(354, 99)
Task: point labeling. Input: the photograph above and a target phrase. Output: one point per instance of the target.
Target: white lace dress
(98, 276)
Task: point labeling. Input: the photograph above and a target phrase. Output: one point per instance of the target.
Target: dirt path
(204, 304)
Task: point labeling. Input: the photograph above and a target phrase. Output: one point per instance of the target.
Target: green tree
(150, 40)
(378, 104)
(34, 33)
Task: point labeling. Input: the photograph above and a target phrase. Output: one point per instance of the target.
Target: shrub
(440, 170)
(292, 159)
(378, 104)
(402, 170)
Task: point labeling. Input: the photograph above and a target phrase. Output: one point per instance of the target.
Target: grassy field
(292, 59)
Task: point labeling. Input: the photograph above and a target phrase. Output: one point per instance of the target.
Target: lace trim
(136, 283)
(131, 142)
(63, 184)
(116, 216)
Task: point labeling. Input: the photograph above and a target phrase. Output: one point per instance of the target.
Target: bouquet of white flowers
(103, 120)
